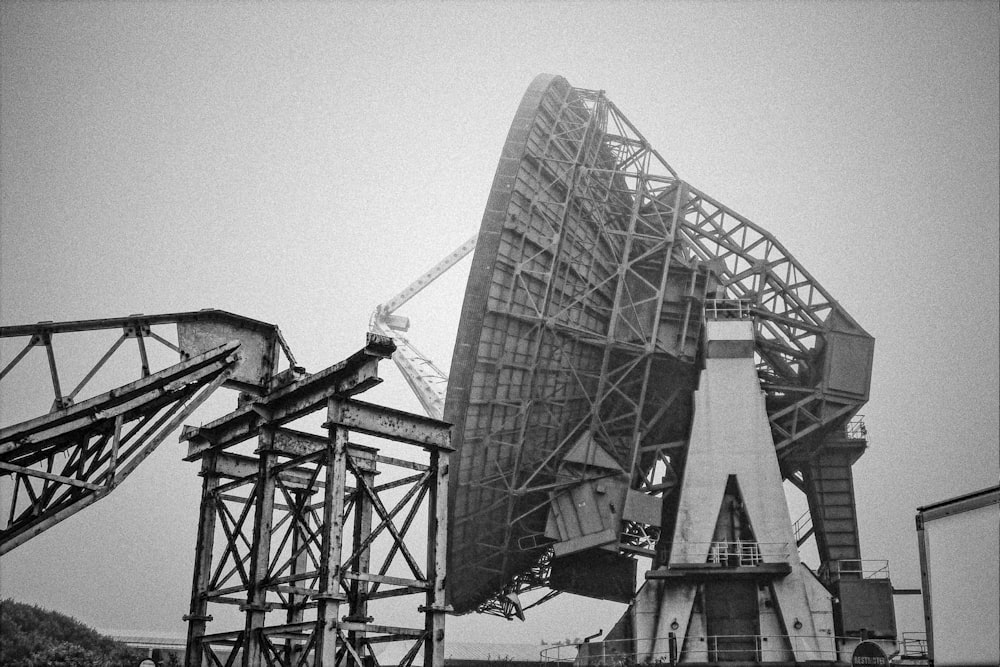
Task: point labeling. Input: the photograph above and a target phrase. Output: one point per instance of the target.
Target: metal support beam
(330, 595)
(435, 607)
(198, 617)
(303, 534)
(256, 605)
(391, 424)
(357, 612)
(356, 374)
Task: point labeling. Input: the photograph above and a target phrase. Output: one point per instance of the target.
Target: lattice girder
(54, 466)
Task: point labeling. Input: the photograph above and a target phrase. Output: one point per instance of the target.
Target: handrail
(728, 309)
(860, 568)
(803, 528)
(622, 652)
(745, 552)
(856, 429)
(913, 644)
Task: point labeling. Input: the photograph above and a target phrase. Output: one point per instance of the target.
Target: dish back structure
(578, 352)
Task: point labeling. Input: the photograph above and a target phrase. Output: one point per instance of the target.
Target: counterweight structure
(579, 351)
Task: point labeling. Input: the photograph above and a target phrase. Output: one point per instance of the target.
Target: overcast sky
(299, 163)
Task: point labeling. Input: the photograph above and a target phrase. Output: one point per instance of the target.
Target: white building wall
(963, 554)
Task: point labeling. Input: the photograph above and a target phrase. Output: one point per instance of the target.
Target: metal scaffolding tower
(300, 532)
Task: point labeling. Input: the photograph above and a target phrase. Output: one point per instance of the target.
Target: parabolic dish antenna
(578, 352)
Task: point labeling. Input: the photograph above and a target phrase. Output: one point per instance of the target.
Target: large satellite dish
(578, 351)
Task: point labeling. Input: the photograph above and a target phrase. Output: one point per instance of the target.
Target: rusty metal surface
(392, 424)
(356, 374)
(259, 348)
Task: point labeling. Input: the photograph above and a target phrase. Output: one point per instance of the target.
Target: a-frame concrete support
(731, 440)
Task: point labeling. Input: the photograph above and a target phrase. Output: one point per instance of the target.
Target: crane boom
(428, 382)
(432, 274)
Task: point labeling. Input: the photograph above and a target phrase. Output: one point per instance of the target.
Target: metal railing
(855, 569)
(700, 648)
(743, 553)
(803, 528)
(735, 553)
(913, 644)
(856, 429)
(728, 309)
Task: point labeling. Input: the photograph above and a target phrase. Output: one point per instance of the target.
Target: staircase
(830, 490)
(803, 528)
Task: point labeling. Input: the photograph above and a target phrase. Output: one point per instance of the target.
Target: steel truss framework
(54, 465)
(301, 532)
(582, 321)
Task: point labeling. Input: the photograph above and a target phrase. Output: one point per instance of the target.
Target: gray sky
(300, 163)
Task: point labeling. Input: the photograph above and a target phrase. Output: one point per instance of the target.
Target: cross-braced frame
(313, 533)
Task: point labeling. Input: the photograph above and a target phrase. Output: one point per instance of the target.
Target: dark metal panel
(597, 574)
(729, 349)
(732, 620)
(848, 363)
(866, 606)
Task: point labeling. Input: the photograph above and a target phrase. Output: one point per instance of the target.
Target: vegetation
(35, 637)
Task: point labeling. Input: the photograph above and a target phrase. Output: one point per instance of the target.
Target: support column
(256, 606)
(300, 564)
(363, 465)
(330, 595)
(198, 618)
(437, 546)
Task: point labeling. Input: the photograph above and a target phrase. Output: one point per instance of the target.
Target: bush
(63, 654)
(34, 637)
